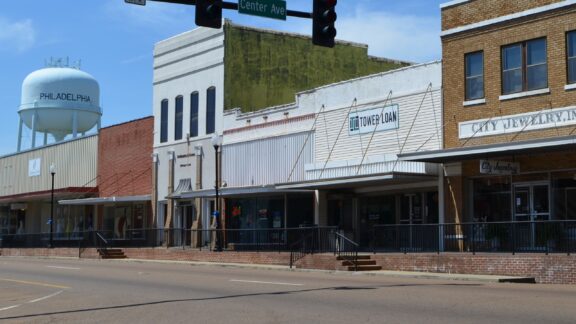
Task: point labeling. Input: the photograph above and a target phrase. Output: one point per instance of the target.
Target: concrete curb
(384, 273)
(380, 273)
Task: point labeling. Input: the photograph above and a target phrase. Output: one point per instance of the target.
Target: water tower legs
(20, 135)
(74, 124)
(34, 117)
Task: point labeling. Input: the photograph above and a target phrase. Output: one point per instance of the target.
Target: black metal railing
(312, 240)
(301, 247)
(507, 237)
(346, 250)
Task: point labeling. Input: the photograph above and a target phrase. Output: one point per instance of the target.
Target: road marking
(65, 268)
(9, 307)
(35, 283)
(46, 297)
(267, 282)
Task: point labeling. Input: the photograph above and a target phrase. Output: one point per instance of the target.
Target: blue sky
(114, 42)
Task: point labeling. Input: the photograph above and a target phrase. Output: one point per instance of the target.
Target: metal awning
(184, 185)
(353, 182)
(492, 150)
(238, 191)
(105, 200)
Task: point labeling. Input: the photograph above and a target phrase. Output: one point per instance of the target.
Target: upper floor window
(164, 121)
(474, 75)
(571, 56)
(178, 118)
(194, 114)
(210, 110)
(524, 66)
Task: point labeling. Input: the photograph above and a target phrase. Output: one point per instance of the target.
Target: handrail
(341, 251)
(297, 249)
(102, 239)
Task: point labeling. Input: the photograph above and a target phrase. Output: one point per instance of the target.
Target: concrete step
(111, 254)
(365, 268)
(359, 262)
(360, 257)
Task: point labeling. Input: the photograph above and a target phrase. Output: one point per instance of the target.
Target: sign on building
(34, 166)
(373, 120)
(543, 119)
(499, 167)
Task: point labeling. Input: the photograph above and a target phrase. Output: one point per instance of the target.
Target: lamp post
(216, 143)
(52, 172)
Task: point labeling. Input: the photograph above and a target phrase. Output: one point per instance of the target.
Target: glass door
(531, 204)
(411, 214)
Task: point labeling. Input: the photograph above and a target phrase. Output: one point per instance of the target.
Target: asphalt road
(92, 291)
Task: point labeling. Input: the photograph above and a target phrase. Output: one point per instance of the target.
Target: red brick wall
(557, 268)
(553, 268)
(268, 258)
(124, 158)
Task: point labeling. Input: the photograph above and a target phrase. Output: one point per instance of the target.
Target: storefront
(117, 218)
(527, 189)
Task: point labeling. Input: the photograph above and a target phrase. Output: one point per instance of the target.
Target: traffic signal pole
(209, 14)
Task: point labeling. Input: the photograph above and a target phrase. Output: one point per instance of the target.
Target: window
(178, 118)
(210, 110)
(571, 56)
(474, 75)
(524, 66)
(194, 114)
(164, 121)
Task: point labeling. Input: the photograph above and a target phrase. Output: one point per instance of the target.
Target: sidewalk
(405, 274)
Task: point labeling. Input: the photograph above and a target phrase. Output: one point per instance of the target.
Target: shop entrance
(531, 204)
(411, 214)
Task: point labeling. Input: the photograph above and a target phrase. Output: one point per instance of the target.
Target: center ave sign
(275, 9)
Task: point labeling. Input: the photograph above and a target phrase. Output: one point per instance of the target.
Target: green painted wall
(264, 69)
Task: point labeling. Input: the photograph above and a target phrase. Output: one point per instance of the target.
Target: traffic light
(323, 18)
(209, 13)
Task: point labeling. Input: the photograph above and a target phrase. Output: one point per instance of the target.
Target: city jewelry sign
(373, 120)
(499, 167)
(517, 123)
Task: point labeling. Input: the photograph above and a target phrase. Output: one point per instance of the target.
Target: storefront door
(531, 204)
(411, 214)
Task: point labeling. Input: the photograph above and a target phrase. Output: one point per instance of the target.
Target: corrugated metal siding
(266, 161)
(75, 163)
(425, 134)
(417, 168)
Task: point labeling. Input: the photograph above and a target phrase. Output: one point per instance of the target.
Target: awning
(355, 182)
(492, 150)
(184, 185)
(105, 200)
(238, 191)
(61, 193)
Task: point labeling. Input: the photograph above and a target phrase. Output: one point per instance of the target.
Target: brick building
(124, 177)
(509, 117)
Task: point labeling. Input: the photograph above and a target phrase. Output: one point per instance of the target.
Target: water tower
(59, 100)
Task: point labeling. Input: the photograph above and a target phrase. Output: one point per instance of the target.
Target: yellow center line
(34, 283)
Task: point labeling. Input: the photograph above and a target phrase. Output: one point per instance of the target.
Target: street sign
(275, 9)
(138, 2)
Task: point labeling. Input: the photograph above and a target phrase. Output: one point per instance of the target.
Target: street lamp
(217, 142)
(52, 172)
